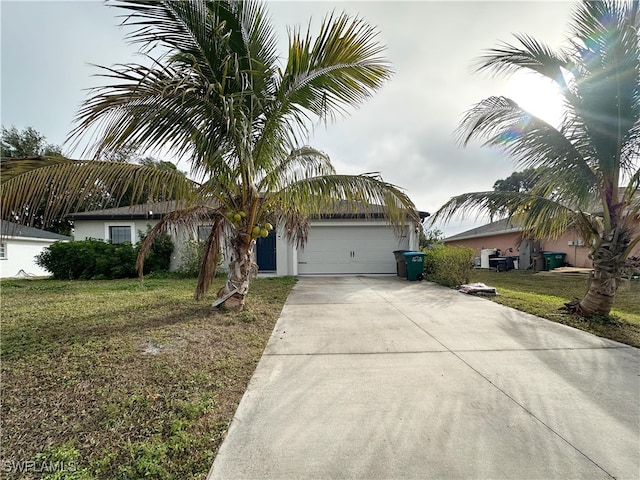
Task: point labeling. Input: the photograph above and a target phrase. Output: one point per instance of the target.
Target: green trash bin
(415, 265)
(553, 259)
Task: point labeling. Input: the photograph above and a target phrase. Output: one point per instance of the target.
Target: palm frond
(538, 216)
(477, 203)
(532, 55)
(364, 194)
(607, 70)
(341, 67)
(530, 141)
(301, 163)
(176, 222)
(67, 187)
(210, 259)
(14, 167)
(151, 107)
(544, 218)
(326, 75)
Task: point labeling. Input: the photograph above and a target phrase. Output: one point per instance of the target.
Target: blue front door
(266, 252)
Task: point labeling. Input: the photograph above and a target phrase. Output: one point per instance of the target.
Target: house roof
(135, 212)
(500, 227)
(343, 211)
(494, 228)
(158, 210)
(10, 229)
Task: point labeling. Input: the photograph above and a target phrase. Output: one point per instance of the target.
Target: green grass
(544, 295)
(120, 380)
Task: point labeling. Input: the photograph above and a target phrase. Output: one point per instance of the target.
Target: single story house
(337, 243)
(19, 247)
(506, 235)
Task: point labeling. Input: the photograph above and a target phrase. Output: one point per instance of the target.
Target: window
(119, 235)
(3, 251)
(203, 232)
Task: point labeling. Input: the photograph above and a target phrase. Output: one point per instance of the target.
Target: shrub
(192, 257)
(159, 258)
(87, 259)
(450, 266)
(96, 259)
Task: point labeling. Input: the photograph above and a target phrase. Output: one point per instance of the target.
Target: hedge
(450, 266)
(97, 259)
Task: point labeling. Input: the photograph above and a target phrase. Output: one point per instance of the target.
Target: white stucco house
(19, 247)
(337, 243)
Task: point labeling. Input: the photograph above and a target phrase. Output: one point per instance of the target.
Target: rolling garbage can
(401, 265)
(415, 265)
(553, 259)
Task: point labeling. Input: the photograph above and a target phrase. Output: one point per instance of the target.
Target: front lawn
(111, 379)
(543, 295)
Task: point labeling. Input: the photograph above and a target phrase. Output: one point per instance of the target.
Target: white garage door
(350, 249)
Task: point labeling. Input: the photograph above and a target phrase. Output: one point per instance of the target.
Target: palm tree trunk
(599, 297)
(608, 266)
(241, 270)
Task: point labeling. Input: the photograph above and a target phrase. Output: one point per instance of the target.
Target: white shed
(19, 247)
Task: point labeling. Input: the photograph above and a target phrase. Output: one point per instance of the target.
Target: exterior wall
(286, 254)
(88, 229)
(576, 255)
(20, 255)
(180, 239)
(508, 243)
(99, 229)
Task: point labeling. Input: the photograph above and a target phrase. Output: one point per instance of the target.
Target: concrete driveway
(381, 378)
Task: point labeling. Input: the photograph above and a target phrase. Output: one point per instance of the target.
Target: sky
(49, 50)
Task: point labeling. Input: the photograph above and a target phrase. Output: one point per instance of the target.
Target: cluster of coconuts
(261, 230)
(257, 231)
(235, 217)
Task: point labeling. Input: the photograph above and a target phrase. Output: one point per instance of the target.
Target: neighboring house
(19, 247)
(337, 243)
(506, 235)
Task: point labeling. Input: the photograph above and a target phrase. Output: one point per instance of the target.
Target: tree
(217, 95)
(518, 181)
(430, 237)
(26, 143)
(584, 160)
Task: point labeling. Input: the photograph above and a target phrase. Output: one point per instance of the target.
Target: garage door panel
(341, 249)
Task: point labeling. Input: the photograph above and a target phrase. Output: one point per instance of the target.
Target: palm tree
(216, 94)
(583, 162)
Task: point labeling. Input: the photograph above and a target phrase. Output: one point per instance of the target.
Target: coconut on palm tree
(587, 166)
(214, 92)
